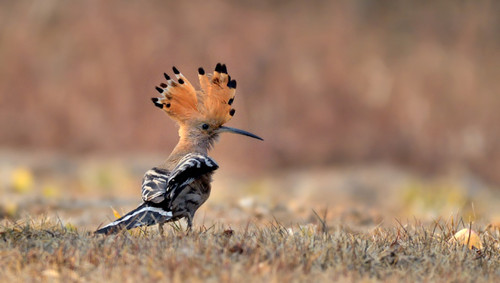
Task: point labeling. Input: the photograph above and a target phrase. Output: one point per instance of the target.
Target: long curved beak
(223, 129)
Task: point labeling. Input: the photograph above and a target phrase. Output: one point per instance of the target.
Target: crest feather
(213, 102)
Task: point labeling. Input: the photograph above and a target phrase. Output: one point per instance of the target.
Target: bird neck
(187, 144)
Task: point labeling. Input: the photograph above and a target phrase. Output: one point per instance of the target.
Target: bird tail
(144, 215)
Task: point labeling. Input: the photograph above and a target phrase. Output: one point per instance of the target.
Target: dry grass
(44, 249)
(48, 215)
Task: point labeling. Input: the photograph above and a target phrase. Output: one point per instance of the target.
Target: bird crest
(183, 103)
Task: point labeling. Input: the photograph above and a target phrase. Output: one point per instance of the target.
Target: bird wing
(154, 185)
(189, 168)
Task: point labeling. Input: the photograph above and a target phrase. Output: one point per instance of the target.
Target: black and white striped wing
(154, 185)
(187, 170)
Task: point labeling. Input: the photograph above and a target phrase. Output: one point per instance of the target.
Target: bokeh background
(370, 110)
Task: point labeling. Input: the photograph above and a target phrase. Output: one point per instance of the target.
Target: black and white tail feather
(144, 215)
(160, 188)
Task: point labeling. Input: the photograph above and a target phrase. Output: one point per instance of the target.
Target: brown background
(345, 82)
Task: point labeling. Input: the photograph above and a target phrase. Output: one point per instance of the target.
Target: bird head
(201, 114)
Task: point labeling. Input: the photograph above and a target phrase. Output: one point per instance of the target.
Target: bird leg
(160, 229)
(189, 219)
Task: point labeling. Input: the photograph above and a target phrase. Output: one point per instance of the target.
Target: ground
(49, 250)
(369, 223)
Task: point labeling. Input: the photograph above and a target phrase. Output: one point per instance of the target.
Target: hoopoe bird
(178, 187)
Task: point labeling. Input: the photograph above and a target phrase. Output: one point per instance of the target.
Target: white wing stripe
(144, 209)
(154, 185)
(153, 173)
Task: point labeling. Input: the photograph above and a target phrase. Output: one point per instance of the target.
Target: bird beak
(223, 129)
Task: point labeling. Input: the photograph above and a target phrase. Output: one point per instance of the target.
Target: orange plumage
(212, 102)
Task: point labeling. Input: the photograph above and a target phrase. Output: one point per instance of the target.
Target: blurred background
(370, 110)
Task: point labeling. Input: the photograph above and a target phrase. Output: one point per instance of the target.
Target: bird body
(179, 186)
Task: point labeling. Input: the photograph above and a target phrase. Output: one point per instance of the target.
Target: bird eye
(204, 126)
